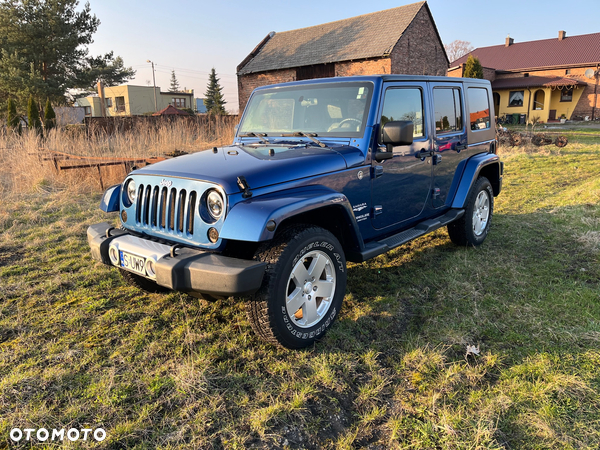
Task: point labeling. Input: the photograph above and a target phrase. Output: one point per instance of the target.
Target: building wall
(138, 100)
(585, 104)
(551, 102)
(419, 50)
(247, 83)
(457, 71)
(366, 67)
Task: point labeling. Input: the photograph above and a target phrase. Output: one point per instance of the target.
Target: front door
(401, 185)
(450, 139)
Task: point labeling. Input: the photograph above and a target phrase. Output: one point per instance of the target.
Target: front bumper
(180, 268)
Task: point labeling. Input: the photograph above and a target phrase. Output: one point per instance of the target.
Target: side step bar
(376, 248)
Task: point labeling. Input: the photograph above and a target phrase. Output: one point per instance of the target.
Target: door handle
(424, 154)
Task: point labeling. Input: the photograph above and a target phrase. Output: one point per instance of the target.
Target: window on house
(525, 75)
(568, 72)
(566, 95)
(120, 104)
(515, 98)
(109, 102)
(316, 71)
(448, 110)
(479, 105)
(87, 110)
(178, 102)
(404, 104)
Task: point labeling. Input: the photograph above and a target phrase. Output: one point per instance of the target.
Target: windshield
(329, 109)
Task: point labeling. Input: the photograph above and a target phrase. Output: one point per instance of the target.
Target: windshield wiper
(311, 136)
(261, 136)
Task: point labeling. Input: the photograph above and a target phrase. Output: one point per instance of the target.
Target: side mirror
(399, 132)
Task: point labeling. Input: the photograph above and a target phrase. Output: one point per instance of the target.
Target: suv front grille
(166, 209)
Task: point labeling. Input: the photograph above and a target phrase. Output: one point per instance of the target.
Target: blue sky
(191, 37)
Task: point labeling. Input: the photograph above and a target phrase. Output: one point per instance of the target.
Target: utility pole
(154, 83)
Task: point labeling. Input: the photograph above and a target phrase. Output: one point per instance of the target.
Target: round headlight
(131, 191)
(214, 202)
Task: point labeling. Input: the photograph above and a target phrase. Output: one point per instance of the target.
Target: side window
(479, 108)
(448, 110)
(404, 104)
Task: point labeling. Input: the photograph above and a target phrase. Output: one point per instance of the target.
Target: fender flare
(110, 199)
(247, 220)
(471, 173)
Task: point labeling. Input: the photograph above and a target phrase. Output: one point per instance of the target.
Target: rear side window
(448, 110)
(479, 108)
(404, 104)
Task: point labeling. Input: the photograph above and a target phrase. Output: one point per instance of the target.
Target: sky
(191, 37)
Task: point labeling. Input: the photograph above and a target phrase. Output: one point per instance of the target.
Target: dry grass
(80, 348)
(23, 170)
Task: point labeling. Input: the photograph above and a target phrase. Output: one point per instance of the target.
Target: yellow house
(542, 98)
(549, 79)
(128, 100)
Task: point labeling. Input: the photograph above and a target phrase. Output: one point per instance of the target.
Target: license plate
(132, 263)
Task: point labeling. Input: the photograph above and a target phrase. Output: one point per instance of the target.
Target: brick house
(549, 79)
(398, 40)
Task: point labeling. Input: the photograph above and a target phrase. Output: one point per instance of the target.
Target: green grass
(78, 348)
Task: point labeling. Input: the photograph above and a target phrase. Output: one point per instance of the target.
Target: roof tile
(571, 51)
(367, 36)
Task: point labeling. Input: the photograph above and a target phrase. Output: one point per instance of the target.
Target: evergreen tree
(174, 83)
(49, 116)
(44, 50)
(473, 68)
(33, 115)
(214, 101)
(13, 121)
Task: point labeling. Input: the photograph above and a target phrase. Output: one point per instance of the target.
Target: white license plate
(132, 263)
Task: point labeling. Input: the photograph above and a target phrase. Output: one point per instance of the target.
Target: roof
(526, 82)
(361, 37)
(579, 50)
(170, 111)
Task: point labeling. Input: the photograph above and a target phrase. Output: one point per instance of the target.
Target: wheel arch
(487, 165)
(259, 219)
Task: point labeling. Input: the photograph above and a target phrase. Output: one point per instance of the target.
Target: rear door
(401, 185)
(449, 138)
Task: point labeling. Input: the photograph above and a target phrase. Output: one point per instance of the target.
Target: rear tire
(142, 283)
(473, 227)
(303, 287)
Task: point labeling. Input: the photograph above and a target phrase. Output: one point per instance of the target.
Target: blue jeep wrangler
(320, 172)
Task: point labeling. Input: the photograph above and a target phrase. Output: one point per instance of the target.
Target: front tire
(303, 287)
(473, 227)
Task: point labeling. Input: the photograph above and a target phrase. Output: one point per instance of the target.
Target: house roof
(579, 50)
(527, 82)
(170, 111)
(367, 36)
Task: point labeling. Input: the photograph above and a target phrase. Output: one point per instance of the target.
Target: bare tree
(457, 48)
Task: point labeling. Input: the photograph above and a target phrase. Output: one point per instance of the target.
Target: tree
(13, 121)
(174, 83)
(473, 68)
(44, 50)
(457, 48)
(33, 115)
(214, 101)
(49, 116)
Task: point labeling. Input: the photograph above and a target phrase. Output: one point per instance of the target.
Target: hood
(261, 165)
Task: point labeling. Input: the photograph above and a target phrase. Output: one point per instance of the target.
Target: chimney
(562, 35)
(509, 41)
